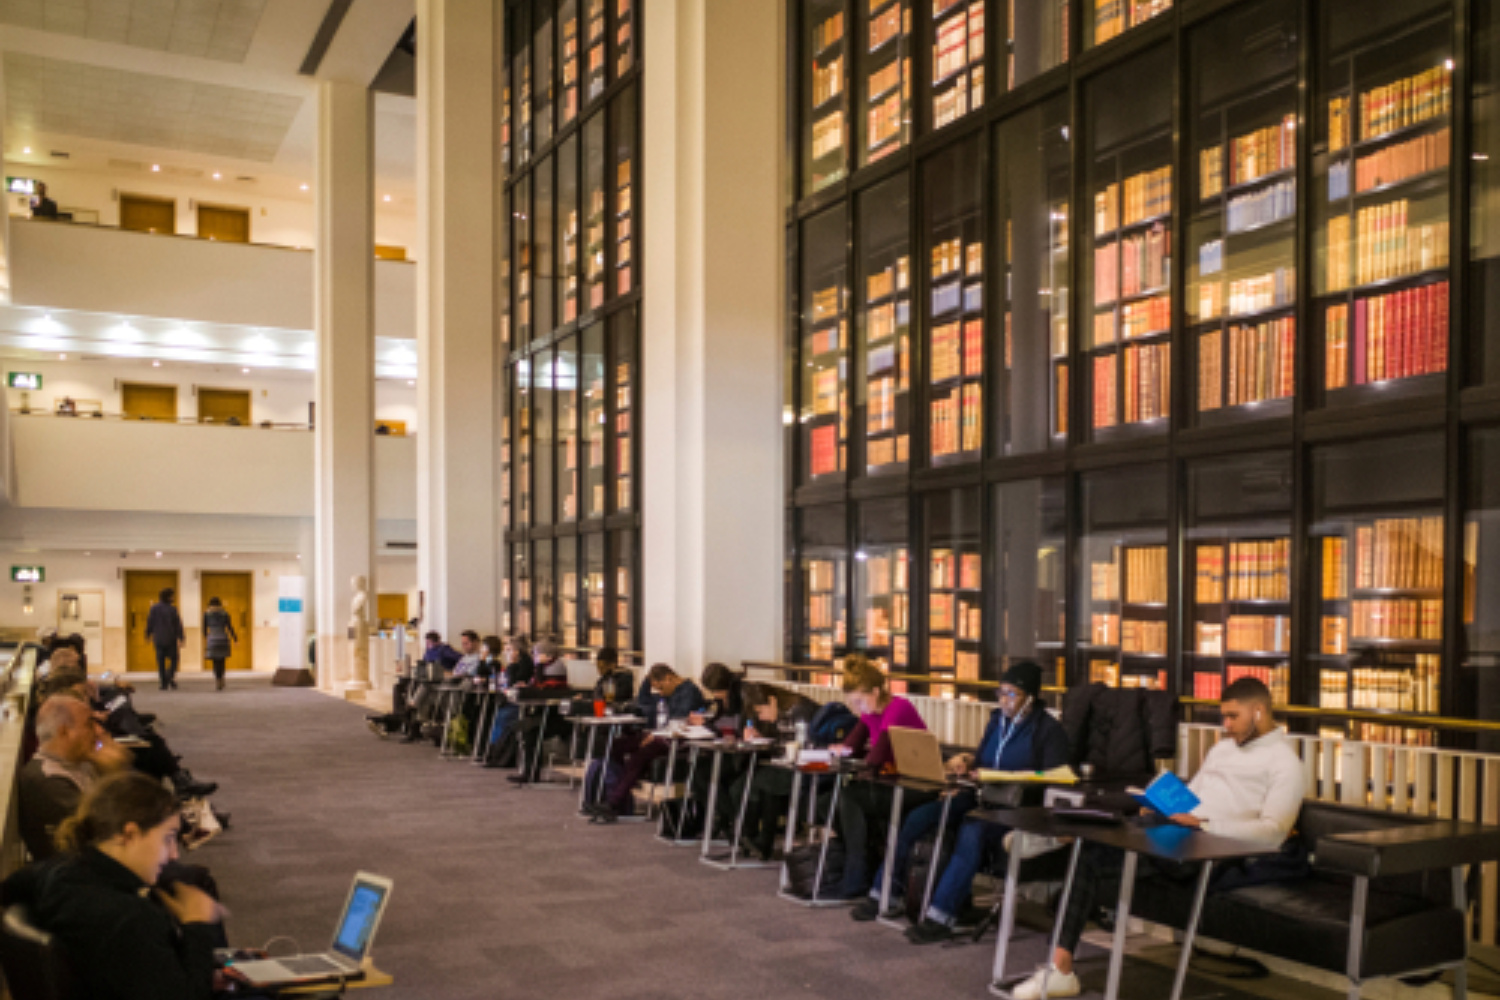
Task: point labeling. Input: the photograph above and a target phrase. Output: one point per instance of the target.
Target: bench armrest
(1409, 848)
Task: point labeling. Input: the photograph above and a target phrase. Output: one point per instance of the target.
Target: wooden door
(235, 590)
(391, 608)
(229, 225)
(218, 406)
(147, 401)
(141, 588)
(148, 215)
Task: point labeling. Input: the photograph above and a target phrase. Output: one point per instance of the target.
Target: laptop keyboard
(311, 965)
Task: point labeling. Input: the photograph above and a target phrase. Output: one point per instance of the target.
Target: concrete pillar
(714, 230)
(458, 552)
(345, 414)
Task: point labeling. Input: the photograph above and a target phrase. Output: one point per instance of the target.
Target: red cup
(598, 708)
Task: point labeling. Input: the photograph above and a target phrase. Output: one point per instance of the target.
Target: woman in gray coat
(218, 634)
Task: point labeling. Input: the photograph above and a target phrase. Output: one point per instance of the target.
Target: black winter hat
(1025, 675)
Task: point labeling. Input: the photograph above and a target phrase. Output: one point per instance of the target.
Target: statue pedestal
(359, 660)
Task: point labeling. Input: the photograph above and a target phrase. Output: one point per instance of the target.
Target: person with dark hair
(43, 207)
(472, 655)
(616, 685)
(534, 723)
(1250, 788)
(437, 664)
(635, 751)
(127, 937)
(771, 712)
(164, 630)
(218, 634)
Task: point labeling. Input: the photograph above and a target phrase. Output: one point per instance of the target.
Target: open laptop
(352, 939)
(918, 755)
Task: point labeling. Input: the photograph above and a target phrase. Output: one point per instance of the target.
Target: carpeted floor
(507, 893)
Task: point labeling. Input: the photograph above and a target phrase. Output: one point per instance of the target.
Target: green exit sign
(28, 574)
(24, 380)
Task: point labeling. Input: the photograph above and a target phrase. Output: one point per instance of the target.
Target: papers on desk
(686, 732)
(810, 756)
(1057, 776)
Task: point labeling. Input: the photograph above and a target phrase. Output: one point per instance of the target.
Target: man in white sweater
(1250, 788)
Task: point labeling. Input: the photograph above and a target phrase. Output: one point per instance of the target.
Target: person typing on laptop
(1249, 788)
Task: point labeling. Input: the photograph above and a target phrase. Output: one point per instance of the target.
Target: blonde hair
(862, 675)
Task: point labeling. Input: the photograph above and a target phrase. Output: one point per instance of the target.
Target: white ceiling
(208, 29)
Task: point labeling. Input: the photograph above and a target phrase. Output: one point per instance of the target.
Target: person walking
(164, 629)
(218, 635)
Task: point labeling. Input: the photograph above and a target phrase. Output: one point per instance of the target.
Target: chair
(33, 964)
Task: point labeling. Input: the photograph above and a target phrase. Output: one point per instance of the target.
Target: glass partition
(1478, 689)
(1038, 35)
(1112, 18)
(825, 575)
(565, 390)
(951, 533)
(592, 368)
(518, 37)
(1124, 587)
(622, 338)
(543, 575)
(825, 346)
(624, 36)
(825, 112)
(520, 572)
(567, 590)
(622, 554)
(594, 39)
(544, 78)
(544, 368)
(953, 188)
(1483, 288)
(594, 266)
(884, 116)
(520, 417)
(520, 225)
(595, 596)
(568, 229)
(567, 17)
(544, 211)
(958, 32)
(622, 124)
(1029, 593)
(884, 321)
(882, 583)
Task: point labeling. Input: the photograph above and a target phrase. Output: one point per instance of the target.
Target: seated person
(537, 723)
(74, 753)
(1021, 736)
(485, 674)
(773, 713)
(472, 655)
(1250, 788)
(520, 671)
(96, 899)
(437, 664)
(635, 751)
(616, 685)
(723, 689)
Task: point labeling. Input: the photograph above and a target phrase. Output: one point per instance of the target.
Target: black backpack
(802, 870)
(831, 724)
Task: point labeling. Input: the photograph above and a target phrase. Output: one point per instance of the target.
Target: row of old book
(1255, 570)
(1262, 360)
(1396, 335)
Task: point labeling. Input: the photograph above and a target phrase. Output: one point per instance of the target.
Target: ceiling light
(387, 197)
(62, 357)
(26, 150)
(158, 555)
(156, 364)
(304, 187)
(411, 381)
(226, 555)
(156, 168)
(88, 553)
(216, 175)
(244, 371)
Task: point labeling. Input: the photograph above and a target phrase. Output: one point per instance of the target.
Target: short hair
(493, 645)
(718, 677)
(469, 633)
(1247, 689)
(214, 602)
(57, 714)
(166, 594)
(659, 672)
(862, 675)
(434, 636)
(607, 656)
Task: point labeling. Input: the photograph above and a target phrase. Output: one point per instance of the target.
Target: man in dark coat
(164, 629)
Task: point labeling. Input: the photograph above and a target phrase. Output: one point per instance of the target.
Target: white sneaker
(1057, 984)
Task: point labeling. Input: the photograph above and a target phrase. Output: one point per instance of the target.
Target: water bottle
(802, 732)
(661, 714)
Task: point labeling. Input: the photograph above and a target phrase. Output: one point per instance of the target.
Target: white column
(345, 416)
(714, 229)
(458, 552)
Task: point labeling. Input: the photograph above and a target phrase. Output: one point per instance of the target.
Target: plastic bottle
(661, 714)
(802, 732)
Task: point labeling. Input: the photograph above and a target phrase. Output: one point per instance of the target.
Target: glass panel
(593, 208)
(1129, 266)
(622, 112)
(521, 573)
(1123, 592)
(1381, 244)
(622, 338)
(624, 37)
(567, 16)
(1238, 557)
(1038, 34)
(568, 227)
(885, 324)
(1478, 692)
(825, 575)
(543, 570)
(954, 199)
(1115, 17)
(544, 209)
(824, 71)
(507, 307)
(1033, 188)
(1377, 574)
(1242, 291)
(623, 554)
(507, 136)
(955, 587)
(957, 59)
(543, 428)
(520, 47)
(507, 591)
(825, 345)
(596, 620)
(591, 371)
(545, 80)
(885, 48)
(565, 389)
(567, 590)
(1029, 609)
(521, 228)
(520, 415)
(595, 38)
(882, 584)
(507, 451)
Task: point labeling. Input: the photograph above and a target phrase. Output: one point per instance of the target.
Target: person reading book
(1249, 788)
(1021, 736)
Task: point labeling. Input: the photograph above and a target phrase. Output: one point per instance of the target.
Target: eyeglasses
(1014, 694)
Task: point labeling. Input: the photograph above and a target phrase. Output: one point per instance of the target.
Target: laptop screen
(360, 918)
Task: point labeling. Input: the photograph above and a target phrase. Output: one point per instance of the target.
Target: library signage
(28, 574)
(24, 380)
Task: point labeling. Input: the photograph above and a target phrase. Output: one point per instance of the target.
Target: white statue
(359, 607)
(359, 633)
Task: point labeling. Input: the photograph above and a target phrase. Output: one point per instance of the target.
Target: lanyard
(1007, 730)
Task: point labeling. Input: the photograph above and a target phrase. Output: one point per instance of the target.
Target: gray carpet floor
(502, 892)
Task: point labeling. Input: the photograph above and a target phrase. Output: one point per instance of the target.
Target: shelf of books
(1380, 612)
(884, 121)
(624, 53)
(1113, 18)
(522, 259)
(544, 436)
(955, 355)
(1382, 167)
(567, 16)
(1242, 289)
(825, 113)
(622, 555)
(569, 232)
(825, 347)
(593, 28)
(520, 416)
(1127, 615)
(1130, 335)
(544, 78)
(567, 431)
(885, 325)
(955, 615)
(623, 120)
(1241, 614)
(520, 573)
(595, 600)
(544, 587)
(593, 449)
(885, 604)
(518, 37)
(825, 570)
(594, 267)
(1037, 36)
(623, 357)
(1029, 577)
(958, 32)
(507, 138)
(568, 618)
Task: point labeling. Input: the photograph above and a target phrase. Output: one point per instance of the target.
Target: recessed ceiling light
(88, 553)
(156, 364)
(304, 187)
(62, 357)
(387, 197)
(158, 555)
(26, 150)
(411, 381)
(156, 168)
(217, 175)
(244, 371)
(226, 555)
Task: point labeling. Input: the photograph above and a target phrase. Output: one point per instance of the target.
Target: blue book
(1167, 795)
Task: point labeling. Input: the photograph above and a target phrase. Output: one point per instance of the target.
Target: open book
(1166, 795)
(1057, 776)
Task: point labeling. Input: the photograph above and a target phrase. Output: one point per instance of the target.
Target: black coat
(119, 944)
(164, 626)
(1122, 732)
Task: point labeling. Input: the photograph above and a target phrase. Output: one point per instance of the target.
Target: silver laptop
(351, 942)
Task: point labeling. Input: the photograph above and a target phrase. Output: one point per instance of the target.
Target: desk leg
(1122, 926)
(1192, 930)
(1062, 904)
(687, 797)
(888, 874)
(447, 725)
(588, 760)
(713, 803)
(739, 822)
(833, 811)
(1007, 914)
(1357, 933)
(937, 857)
(486, 702)
(791, 828)
(1461, 971)
(541, 737)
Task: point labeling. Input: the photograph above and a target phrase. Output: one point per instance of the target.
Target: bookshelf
(624, 53)
(1124, 583)
(592, 367)
(520, 226)
(1030, 164)
(595, 596)
(885, 80)
(1112, 18)
(545, 252)
(544, 457)
(1037, 34)
(507, 451)
(623, 116)
(568, 54)
(1381, 159)
(825, 347)
(884, 322)
(623, 576)
(1029, 585)
(825, 71)
(825, 582)
(623, 353)
(544, 587)
(520, 574)
(507, 135)
(958, 33)
(569, 617)
(543, 54)
(956, 344)
(882, 584)
(569, 231)
(568, 459)
(520, 414)
(593, 209)
(518, 38)
(953, 564)
(593, 35)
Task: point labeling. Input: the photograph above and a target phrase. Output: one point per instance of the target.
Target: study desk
(947, 791)
(721, 748)
(1154, 838)
(593, 723)
(546, 704)
(839, 767)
